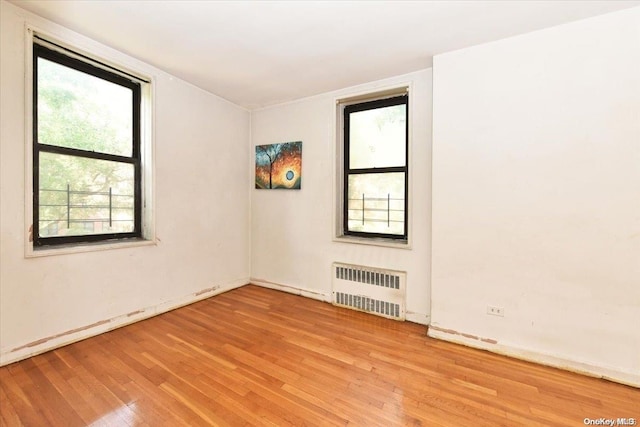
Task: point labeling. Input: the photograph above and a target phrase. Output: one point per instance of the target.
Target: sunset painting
(279, 166)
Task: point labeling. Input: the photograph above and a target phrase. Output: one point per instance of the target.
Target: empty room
(367, 213)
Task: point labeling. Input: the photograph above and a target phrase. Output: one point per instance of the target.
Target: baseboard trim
(78, 334)
(491, 345)
(419, 318)
(410, 316)
(320, 296)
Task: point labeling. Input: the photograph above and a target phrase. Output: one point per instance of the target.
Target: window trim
(370, 103)
(101, 56)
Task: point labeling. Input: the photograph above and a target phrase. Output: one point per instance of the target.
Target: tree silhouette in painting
(269, 154)
(278, 165)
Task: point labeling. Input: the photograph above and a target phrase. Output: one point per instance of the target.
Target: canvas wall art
(279, 166)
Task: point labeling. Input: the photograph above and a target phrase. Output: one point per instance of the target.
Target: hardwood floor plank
(71, 395)
(203, 413)
(255, 356)
(8, 414)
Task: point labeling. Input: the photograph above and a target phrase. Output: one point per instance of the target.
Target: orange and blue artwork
(279, 166)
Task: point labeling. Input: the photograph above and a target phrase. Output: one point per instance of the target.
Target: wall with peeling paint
(536, 196)
(202, 213)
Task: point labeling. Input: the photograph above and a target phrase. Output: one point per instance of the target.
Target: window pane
(376, 203)
(78, 110)
(377, 138)
(81, 196)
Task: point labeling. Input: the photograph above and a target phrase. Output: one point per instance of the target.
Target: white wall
(292, 230)
(202, 214)
(536, 195)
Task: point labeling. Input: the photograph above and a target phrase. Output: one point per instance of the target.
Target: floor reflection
(126, 415)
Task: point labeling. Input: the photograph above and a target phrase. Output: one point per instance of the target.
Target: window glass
(377, 137)
(84, 196)
(376, 203)
(78, 110)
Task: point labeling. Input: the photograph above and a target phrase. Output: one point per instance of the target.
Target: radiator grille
(373, 290)
(362, 275)
(368, 304)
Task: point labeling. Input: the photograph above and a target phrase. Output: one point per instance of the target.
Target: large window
(87, 177)
(375, 168)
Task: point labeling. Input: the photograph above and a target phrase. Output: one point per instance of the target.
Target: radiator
(373, 290)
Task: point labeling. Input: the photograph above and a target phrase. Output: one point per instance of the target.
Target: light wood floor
(255, 356)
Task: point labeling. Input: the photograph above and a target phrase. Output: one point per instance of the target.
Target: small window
(87, 177)
(375, 175)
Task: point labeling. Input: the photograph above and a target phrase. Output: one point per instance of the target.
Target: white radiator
(373, 290)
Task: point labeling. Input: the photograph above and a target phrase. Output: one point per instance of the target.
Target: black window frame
(347, 170)
(86, 66)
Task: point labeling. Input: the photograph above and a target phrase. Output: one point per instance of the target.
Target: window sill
(370, 241)
(74, 248)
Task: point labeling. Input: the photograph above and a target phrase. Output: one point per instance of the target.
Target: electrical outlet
(495, 311)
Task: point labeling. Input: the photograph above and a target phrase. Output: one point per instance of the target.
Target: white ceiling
(259, 53)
